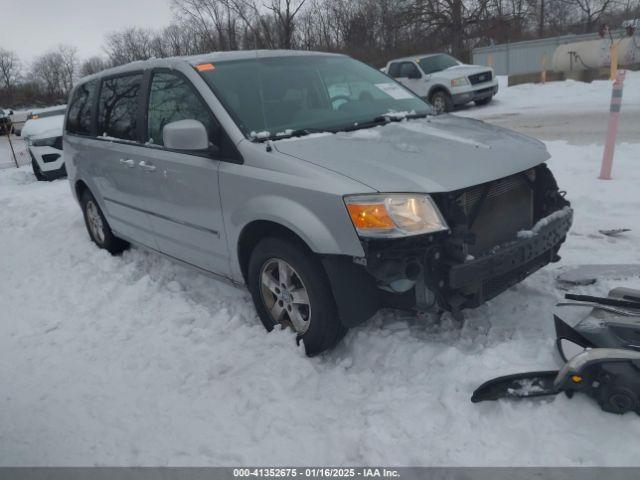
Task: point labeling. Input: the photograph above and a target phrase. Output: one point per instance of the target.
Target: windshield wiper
(381, 120)
(299, 132)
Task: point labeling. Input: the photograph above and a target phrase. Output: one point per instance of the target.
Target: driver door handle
(128, 162)
(149, 167)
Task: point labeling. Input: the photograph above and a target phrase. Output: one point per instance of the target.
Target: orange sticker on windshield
(205, 67)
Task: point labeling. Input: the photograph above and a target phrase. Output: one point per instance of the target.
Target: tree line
(371, 30)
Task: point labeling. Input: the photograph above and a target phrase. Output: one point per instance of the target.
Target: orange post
(614, 60)
(612, 129)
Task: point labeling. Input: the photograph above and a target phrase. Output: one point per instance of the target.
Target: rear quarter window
(80, 109)
(118, 107)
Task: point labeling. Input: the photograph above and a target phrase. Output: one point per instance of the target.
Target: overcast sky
(31, 27)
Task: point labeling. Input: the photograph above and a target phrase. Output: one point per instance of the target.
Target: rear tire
(276, 295)
(484, 101)
(441, 101)
(97, 226)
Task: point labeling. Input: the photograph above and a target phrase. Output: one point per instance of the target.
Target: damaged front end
(499, 233)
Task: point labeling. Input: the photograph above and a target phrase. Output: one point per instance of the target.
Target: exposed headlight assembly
(394, 215)
(459, 82)
(55, 142)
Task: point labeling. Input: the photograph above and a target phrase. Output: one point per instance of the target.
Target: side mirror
(185, 135)
(10, 112)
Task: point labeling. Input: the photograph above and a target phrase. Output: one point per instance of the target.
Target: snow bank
(554, 97)
(20, 149)
(134, 360)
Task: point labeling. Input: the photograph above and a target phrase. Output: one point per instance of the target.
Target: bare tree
(129, 45)
(68, 56)
(450, 17)
(93, 65)
(55, 72)
(284, 12)
(9, 69)
(215, 20)
(592, 11)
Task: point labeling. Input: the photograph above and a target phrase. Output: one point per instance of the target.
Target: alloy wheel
(95, 222)
(285, 295)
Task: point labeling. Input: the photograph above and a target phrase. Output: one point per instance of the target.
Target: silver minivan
(327, 188)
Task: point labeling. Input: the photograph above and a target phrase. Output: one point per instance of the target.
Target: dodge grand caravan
(324, 186)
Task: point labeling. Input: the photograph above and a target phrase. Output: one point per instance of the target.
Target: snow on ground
(133, 360)
(564, 97)
(19, 147)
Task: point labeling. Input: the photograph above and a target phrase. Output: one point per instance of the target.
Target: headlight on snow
(459, 82)
(394, 215)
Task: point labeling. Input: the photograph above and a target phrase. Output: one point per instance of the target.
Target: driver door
(186, 212)
(411, 77)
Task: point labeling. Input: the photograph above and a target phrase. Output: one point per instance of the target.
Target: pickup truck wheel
(290, 289)
(441, 101)
(484, 101)
(98, 228)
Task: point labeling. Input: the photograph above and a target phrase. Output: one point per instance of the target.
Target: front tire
(97, 226)
(441, 101)
(289, 288)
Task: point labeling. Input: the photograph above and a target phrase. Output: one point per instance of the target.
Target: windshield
(269, 96)
(436, 63)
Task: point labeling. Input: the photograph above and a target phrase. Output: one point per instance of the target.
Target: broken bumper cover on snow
(485, 277)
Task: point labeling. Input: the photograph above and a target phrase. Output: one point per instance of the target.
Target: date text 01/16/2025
(317, 472)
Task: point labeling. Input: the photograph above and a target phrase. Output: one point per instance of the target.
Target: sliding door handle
(146, 166)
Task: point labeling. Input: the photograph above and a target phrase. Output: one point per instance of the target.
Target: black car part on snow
(602, 355)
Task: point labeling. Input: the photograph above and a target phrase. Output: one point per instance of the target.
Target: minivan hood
(436, 154)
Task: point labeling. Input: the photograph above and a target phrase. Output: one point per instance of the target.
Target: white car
(5, 121)
(18, 119)
(44, 142)
(444, 81)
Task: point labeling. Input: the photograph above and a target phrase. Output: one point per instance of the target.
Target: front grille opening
(480, 77)
(497, 211)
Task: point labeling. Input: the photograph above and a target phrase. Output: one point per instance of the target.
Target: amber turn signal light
(370, 216)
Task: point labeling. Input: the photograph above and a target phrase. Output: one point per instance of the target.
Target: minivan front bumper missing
(359, 286)
(481, 279)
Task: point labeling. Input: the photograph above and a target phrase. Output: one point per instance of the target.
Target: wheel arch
(354, 290)
(438, 88)
(254, 231)
(79, 188)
